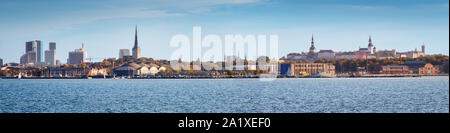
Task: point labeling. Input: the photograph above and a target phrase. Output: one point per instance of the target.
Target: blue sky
(105, 26)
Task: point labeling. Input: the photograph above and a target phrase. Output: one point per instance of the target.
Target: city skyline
(392, 25)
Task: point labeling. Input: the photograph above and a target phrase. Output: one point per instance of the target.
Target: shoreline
(231, 77)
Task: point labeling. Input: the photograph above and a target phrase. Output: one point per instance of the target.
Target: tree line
(374, 64)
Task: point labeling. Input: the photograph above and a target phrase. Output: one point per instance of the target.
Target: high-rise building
(23, 59)
(32, 59)
(29, 58)
(1, 62)
(50, 58)
(78, 56)
(52, 46)
(124, 52)
(423, 49)
(33, 54)
(50, 55)
(40, 51)
(28, 46)
(136, 48)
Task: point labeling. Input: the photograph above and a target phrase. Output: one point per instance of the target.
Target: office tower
(28, 46)
(423, 49)
(1, 62)
(31, 59)
(78, 56)
(33, 53)
(50, 55)
(124, 52)
(52, 46)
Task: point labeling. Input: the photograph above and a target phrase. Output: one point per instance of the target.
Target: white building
(370, 47)
(345, 55)
(153, 69)
(326, 54)
(294, 56)
(412, 54)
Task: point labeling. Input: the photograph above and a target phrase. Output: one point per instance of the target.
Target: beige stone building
(305, 69)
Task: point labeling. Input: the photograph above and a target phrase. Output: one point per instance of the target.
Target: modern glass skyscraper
(78, 56)
(50, 55)
(52, 46)
(39, 52)
(33, 53)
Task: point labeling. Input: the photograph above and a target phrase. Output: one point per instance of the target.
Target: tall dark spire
(136, 39)
(312, 49)
(136, 49)
(370, 41)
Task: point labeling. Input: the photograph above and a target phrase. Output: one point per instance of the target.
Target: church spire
(136, 39)
(370, 41)
(312, 49)
(82, 46)
(136, 49)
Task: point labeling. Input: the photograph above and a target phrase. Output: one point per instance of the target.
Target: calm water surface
(414, 94)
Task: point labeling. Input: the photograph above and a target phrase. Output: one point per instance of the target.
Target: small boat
(20, 76)
(324, 75)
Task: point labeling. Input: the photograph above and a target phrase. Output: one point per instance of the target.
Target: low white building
(153, 69)
(162, 69)
(345, 55)
(326, 54)
(295, 56)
